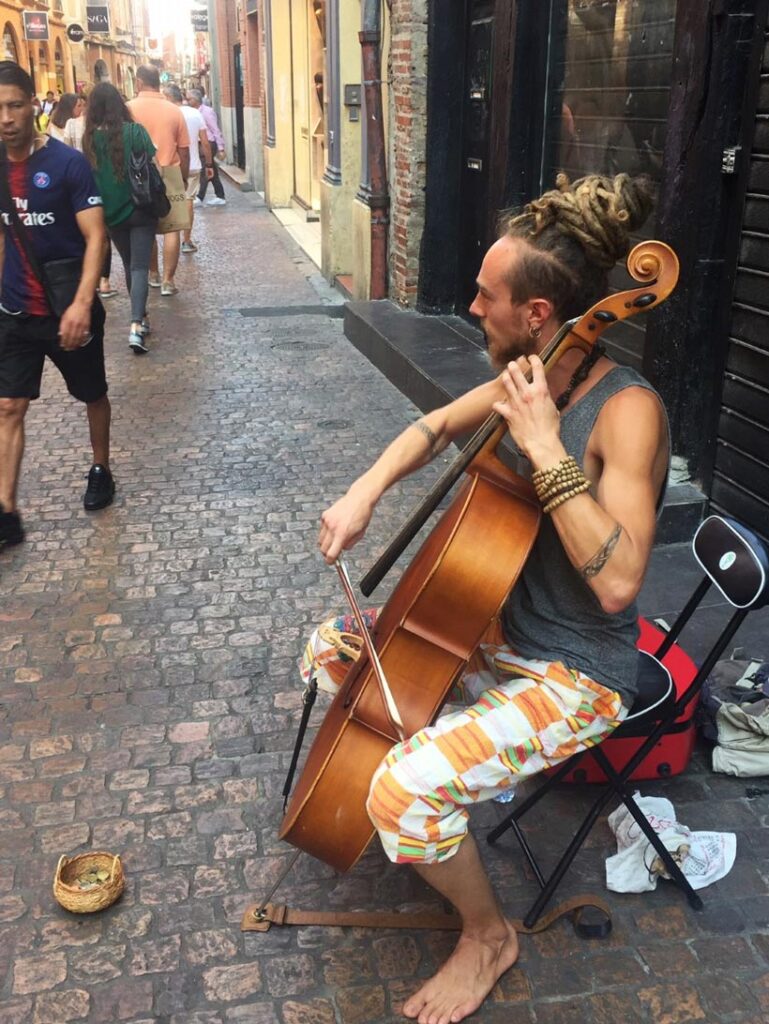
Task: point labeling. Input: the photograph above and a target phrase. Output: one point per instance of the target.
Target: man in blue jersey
(53, 191)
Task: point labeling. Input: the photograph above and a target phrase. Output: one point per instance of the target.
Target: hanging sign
(75, 33)
(199, 20)
(97, 19)
(35, 26)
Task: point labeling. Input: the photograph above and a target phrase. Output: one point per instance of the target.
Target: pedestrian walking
(167, 128)
(76, 124)
(111, 136)
(53, 219)
(49, 104)
(201, 165)
(215, 137)
(73, 136)
(68, 107)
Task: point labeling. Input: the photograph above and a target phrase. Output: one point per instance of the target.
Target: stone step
(237, 176)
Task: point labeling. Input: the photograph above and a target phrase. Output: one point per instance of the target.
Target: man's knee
(383, 805)
(13, 410)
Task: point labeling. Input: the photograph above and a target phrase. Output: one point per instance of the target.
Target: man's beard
(513, 349)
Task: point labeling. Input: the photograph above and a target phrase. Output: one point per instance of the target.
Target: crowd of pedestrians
(66, 194)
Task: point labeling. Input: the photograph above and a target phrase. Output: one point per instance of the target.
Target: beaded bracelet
(549, 482)
(543, 477)
(563, 482)
(566, 495)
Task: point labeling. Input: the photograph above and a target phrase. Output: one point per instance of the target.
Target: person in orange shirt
(167, 128)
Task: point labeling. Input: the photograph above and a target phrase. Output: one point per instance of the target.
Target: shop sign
(75, 33)
(35, 26)
(199, 20)
(97, 19)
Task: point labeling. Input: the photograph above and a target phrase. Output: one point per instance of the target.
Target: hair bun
(598, 212)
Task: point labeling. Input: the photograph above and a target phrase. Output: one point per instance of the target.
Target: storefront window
(609, 87)
(610, 69)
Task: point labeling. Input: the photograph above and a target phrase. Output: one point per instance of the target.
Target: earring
(534, 332)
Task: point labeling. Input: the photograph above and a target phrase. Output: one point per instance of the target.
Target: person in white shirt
(199, 147)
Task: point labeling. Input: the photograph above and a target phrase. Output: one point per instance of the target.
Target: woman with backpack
(110, 139)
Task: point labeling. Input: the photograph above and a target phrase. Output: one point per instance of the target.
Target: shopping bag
(180, 215)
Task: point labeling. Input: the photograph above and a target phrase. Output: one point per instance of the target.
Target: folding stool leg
(569, 854)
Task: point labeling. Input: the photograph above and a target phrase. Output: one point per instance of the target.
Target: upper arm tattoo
(603, 554)
(432, 440)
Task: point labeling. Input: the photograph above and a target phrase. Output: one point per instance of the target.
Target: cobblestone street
(150, 699)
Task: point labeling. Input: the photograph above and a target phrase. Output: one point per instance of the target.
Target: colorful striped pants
(526, 716)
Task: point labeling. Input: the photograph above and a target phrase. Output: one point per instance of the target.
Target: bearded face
(505, 323)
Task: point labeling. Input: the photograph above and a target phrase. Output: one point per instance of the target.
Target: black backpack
(148, 190)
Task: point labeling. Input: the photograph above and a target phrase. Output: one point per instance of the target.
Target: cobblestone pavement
(149, 702)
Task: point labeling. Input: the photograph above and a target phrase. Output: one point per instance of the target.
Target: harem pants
(526, 716)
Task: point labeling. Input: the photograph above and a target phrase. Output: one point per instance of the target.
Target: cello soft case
(672, 753)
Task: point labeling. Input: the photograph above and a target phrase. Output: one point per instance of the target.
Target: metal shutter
(741, 475)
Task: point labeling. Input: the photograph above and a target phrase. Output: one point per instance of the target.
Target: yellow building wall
(279, 160)
(337, 201)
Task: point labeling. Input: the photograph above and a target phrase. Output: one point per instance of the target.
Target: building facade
(235, 28)
(48, 61)
(60, 64)
(484, 103)
(670, 88)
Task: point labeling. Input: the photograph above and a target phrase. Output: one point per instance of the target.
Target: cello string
(390, 705)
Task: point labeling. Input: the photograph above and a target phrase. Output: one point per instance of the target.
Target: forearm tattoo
(602, 555)
(432, 440)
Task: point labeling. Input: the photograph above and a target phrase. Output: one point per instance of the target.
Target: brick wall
(250, 49)
(224, 13)
(408, 120)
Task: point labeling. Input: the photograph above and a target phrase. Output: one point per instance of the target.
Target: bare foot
(464, 981)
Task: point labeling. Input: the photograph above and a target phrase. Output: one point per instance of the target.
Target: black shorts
(26, 340)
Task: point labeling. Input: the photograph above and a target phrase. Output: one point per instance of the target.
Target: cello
(443, 604)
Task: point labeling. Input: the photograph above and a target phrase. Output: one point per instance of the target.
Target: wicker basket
(68, 892)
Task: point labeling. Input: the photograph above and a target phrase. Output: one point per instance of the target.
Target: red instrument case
(672, 753)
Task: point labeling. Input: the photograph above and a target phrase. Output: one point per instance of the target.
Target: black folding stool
(737, 562)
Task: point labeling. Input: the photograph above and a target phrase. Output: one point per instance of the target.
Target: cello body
(431, 626)
(440, 609)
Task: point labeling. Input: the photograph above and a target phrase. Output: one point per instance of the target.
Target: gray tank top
(551, 613)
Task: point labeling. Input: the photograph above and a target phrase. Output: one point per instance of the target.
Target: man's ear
(540, 311)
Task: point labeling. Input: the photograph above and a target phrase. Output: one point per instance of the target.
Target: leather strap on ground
(258, 919)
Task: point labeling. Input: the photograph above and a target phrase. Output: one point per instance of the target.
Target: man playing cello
(558, 668)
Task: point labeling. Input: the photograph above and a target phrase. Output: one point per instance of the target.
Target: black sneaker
(11, 530)
(100, 490)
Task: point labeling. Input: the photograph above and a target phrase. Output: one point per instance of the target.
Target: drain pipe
(378, 199)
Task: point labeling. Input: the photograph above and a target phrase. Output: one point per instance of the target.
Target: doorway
(477, 107)
(307, 21)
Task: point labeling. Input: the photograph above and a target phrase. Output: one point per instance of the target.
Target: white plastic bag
(703, 857)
